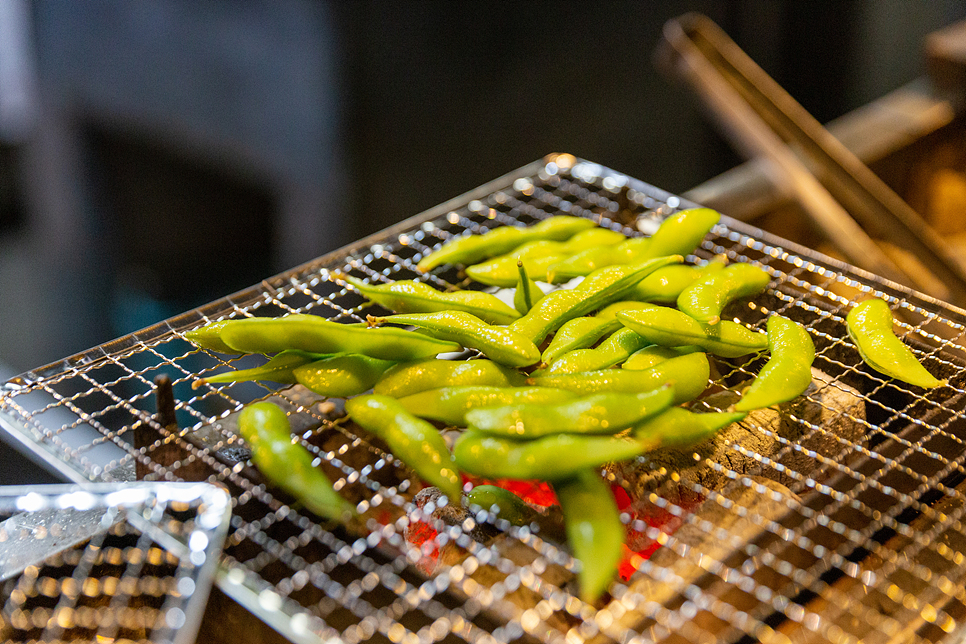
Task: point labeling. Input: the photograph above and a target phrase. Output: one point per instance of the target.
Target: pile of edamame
(564, 382)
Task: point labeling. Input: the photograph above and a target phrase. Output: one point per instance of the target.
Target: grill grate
(109, 562)
(838, 520)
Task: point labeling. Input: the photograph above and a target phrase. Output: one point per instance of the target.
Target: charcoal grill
(825, 536)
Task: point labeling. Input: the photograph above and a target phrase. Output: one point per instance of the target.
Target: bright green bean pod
(408, 378)
(502, 345)
(706, 297)
(527, 292)
(412, 440)
(550, 458)
(450, 404)
(578, 333)
(286, 463)
(606, 413)
(679, 234)
(592, 259)
(869, 325)
(343, 375)
(538, 256)
(788, 371)
(594, 530)
(470, 249)
(651, 355)
(665, 285)
(688, 374)
(315, 334)
(681, 428)
(671, 328)
(278, 369)
(596, 290)
(504, 503)
(614, 350)
(209, 337)
(409, 296)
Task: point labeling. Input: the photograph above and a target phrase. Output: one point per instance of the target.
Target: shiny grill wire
(838, 520)
(109, 563)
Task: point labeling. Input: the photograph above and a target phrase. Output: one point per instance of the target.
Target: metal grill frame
(50, 422)
(51, 526)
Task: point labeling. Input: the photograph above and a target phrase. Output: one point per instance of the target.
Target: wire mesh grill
(108, 563)
(838, 518)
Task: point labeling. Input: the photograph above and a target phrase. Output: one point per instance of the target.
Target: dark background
(157, 155)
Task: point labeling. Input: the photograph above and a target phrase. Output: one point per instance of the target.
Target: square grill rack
(837, 520)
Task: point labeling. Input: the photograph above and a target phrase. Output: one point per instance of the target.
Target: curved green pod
(869, 325)
(605, 413)
(681, 428)
(617, 348)
(410, 296)
(341, 376)
(470, 249)
(688, 374)
(266, 429)
(500, 344)
(706, 297)
(788, 371)
(407, 378)
(594, 530)
(538, 256)
(671, 328)
(551, 458)
(450, 404)
(592, 259)
(314, 334)
(598, 289)
(278, 369)
(413, 440)
(527, 292)
(665, 285)
(504, 503)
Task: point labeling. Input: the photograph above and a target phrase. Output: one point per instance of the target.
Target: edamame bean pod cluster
(556, 415)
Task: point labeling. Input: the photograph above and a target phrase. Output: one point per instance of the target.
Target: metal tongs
(804, 159)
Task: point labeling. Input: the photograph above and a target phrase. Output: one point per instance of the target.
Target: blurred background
(156, 155)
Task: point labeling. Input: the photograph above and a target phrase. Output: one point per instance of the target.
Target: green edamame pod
(409, 378)
(598, 289)
(706, 297)
(578, 333)
(869, 325)
(450, 404)
(209, 337)
(651, 355)
(538, 256)
(788, 371)
(592, 259)
(671, 328)
(665, 285)
(688, 374)
(409, 296)
(606, 413)
(615, 349)
(278, 369)
(314, 334)
(527, 292)
(680, 428)
(471, 249)
(550, 458)
(287, 464)
(502, 345)
(504, 503)
(679, 234)
(594, 530)
(411, 439)
(341, 376)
